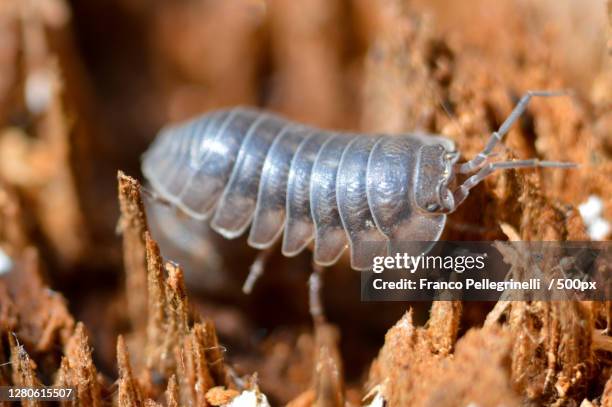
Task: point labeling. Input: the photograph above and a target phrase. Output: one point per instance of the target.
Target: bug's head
(432, 189)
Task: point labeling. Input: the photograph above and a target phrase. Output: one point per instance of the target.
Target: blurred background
(86, 84)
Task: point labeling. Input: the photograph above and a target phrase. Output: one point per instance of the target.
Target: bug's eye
(433, 207)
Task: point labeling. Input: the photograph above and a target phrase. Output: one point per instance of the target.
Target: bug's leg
(464, 189)
(315, 287)
(498, 135)
(257, 269)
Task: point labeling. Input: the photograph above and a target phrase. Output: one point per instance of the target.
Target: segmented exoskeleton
(242, 167)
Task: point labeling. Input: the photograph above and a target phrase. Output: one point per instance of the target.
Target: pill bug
(244, 167)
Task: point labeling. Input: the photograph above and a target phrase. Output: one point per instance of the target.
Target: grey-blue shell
(242, 167)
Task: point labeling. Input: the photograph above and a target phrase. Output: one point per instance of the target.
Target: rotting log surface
(84, 86)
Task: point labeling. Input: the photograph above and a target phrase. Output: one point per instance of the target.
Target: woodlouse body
(244, 167)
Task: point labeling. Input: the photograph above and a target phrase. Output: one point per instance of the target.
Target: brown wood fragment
(201, 364)
(552, 358)
(13, 233)
(478, 374)
(177, 318)
(78, 371)
(411, 369)
(133, 225)
(443, 325)
(195, 369)
(24, 369)
(44, 319)
(63, 378)
(196, 72)
(8, 310)
(172, 393)
(176, 299)
(129, 393)
(157, 354)
(500, 309)
(328, 376)
(219, 395)
(207, 333)
(402, 362)
(40, 163)
(400, 91)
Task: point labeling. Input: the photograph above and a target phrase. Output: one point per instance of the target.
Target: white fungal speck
(6, 264)
(591, 211)
(249, 398)
(599, 229)
(38, 90)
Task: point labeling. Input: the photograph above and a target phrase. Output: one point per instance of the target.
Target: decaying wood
(328, 376)
(190, 358)
(39, 162)
(195, 366)
(410, 371)
(172, 393)
(307, 50)
(218, 396)
(606, 397)
(157, 353)
(79, 372)
(431, 65)
(129, 393)
(443, 325)
(13, 232)
(477, 374)
(552, 356)
(24, 369)
(44, 319)
(176, 300)
(403, 360)
(133, 225)
(400, 92)
(193, 67)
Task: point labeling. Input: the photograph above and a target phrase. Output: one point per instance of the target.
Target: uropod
(242, 167)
